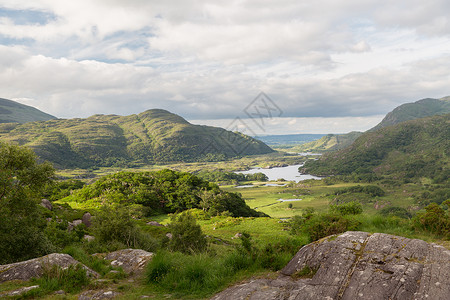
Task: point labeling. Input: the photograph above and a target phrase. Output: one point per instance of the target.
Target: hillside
(419, 109)
(405, 112)
(329, 142)
(416, 148)
(105, 140)
(13, 112)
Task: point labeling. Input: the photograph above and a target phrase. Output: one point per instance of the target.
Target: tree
(22, 179)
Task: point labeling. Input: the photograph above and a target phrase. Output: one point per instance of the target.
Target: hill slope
(405, 112)
(330, 142)
(419, 109)
(105, 140)
(11, 112)
(417, 148)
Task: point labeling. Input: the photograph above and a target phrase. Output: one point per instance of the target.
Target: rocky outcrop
(86, 219)
(26, 270)
(47, 204)
(357, 265)
(98, 294)
(131, 260)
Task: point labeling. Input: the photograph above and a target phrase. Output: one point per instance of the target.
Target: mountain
(12, 112)
(416, 148)
(154, 136)
(419, 109)
(405, 112)
(329, 142)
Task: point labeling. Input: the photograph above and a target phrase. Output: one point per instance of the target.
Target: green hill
(416, 148)
(405, 112)
(154, 136)
(419, 109)
(330, 142)
(12, 112)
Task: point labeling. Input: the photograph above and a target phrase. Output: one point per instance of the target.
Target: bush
(396, 211)
(349, 208)
(435, 220)
(187, 235)
(116, 229)
(318, 226)
(71, 279)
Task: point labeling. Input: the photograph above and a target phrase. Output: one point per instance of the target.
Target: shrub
(435, 220)
(349, 208)
(116, 228)
(322, 225)
(187, 235)
(395, 211)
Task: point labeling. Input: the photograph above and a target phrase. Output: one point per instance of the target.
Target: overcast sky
(327, 65)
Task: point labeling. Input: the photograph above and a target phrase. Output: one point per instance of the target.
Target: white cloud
(209, 59)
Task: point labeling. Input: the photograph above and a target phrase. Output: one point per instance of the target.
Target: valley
(207, 225)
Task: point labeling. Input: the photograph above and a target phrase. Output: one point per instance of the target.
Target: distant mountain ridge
(410, 149)
(405, 112)
(12, 112)
(154, 136)
(419, 109)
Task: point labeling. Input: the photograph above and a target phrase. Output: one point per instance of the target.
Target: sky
(271, 67)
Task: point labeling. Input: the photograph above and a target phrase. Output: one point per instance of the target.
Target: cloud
(206, 60)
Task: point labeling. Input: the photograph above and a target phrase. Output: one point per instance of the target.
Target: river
(289, 173)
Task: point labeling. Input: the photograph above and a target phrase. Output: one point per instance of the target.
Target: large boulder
(25, 270)
(131, 260)
(47, 204)
(86, 219)
(357, 265)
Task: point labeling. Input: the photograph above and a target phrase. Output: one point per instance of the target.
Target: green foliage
(21, 181)
(230, 177)
(114, 228)
(349, 208)
(71, 279)
(164, 191)
(371, 190)
(187, 235)
(395, 211)
(59, 189)
(318, 226)
(435, 220)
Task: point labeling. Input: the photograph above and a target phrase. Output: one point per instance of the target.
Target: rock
(73, 224)
(356, 265)
(237, 236)
(131, 260)
(98, 294)
(169, 235)
(47, 204)
(154, 223)
(88, 238)
(86, 219)
(26, 270)
(19, 292)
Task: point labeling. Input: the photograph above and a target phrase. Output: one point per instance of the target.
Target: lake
(289, 173)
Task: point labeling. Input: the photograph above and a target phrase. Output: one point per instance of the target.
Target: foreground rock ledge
(25, 270)
(357, 265)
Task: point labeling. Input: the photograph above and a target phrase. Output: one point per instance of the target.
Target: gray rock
(357, 265)
(98, 294)
(47, 204)
(169, 235)
(73, 224)
(131, 260)
(26, 270)
(19, 292)
(154, 223)
(88, 238)
(86, 219)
